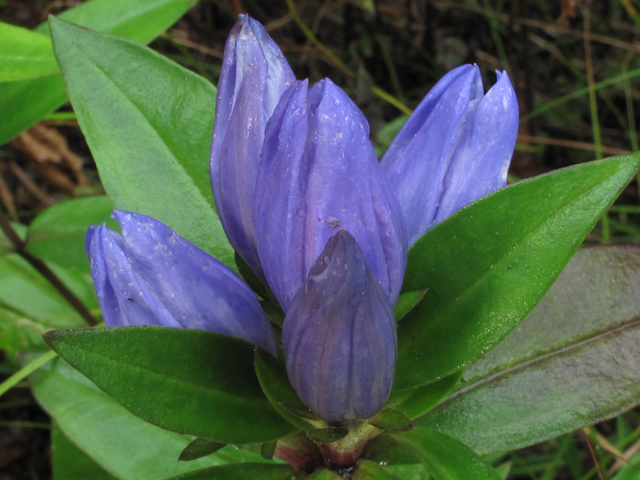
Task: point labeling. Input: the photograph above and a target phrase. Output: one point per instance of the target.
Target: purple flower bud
(254, 76)
(318, 175)
(339, 336)
(151, 276)
(454, 149)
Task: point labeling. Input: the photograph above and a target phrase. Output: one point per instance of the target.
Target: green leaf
(410, 472)
(5, 244)
(446, 458)
(327, 435)
(25, 102)
(71, 463)
(572, 362)
(630, 471)
(95, 422)
(386, 450)
(267, 449)
(391, 420)
(200, 447)
(415, 402)
(57, 234)
(242, 471)
(366, 470)
(188, 381)
(406, 302)
(25, 291)
(274, 381)
(487, 266)
(25, 54)
(324, 474)
(148, 122)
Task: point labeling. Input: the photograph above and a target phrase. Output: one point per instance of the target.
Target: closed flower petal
(454, 149)
(150, 275)
(254, 76)
(318, 175)
(339, 336)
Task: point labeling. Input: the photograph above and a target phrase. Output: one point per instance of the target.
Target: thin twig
(20, 248)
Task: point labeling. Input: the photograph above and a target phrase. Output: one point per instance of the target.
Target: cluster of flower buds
(323, 224)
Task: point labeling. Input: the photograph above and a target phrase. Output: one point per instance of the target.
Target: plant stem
(21, 249)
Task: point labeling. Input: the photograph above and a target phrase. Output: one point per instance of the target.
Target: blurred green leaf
(5, 245)
(391, 420)
(366, 470)
(148, 123)
(631, 471)
(25, 102)
(188, 381)
(25, 54)
(323, 474)
(95, 422)
(274, 381)
(487, 266)
(57, 234)
(572, 362)
(410, 472)
(446, 458)
(415, 402)
(71, 463)
(386, 450)
(243, 471)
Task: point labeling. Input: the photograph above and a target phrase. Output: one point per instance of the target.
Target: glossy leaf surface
(487, 266)
(25, 54)
(415, 402)
(572, 362)
(446, 458)
(30, 100)
(89, 417)
(189, 381)
(242, 471)
(272, 375)
(406, 302)
(58, 233)
(149, 129)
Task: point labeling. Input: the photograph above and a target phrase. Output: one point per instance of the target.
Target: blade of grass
(26, 371)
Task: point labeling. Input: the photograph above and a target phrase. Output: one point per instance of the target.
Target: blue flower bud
(151, 276)
(318, 175)
(339, 336)
(254, 76)
(454, 149)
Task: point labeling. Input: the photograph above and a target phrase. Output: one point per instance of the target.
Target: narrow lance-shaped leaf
(188, 381)
(446, 458)
(148, 137)
(25, 102)
(486, 267)
(571, 363)
(25, 54)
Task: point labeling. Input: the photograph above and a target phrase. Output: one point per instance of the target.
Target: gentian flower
(304, 201)
(454, 149)
(150, 275)
(318, 175)
(254, 76)
(340, 336)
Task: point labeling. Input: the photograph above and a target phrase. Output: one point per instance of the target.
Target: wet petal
(254, 76)
(339, 336)
(151, 276)
(453, 150)
(319, 174)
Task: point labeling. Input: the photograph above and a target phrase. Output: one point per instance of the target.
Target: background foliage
(575, 68)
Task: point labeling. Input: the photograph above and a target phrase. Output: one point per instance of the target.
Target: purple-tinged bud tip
(254, 76)
(318, 175)
(150, 275)
(339, 336)
(454, 149)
